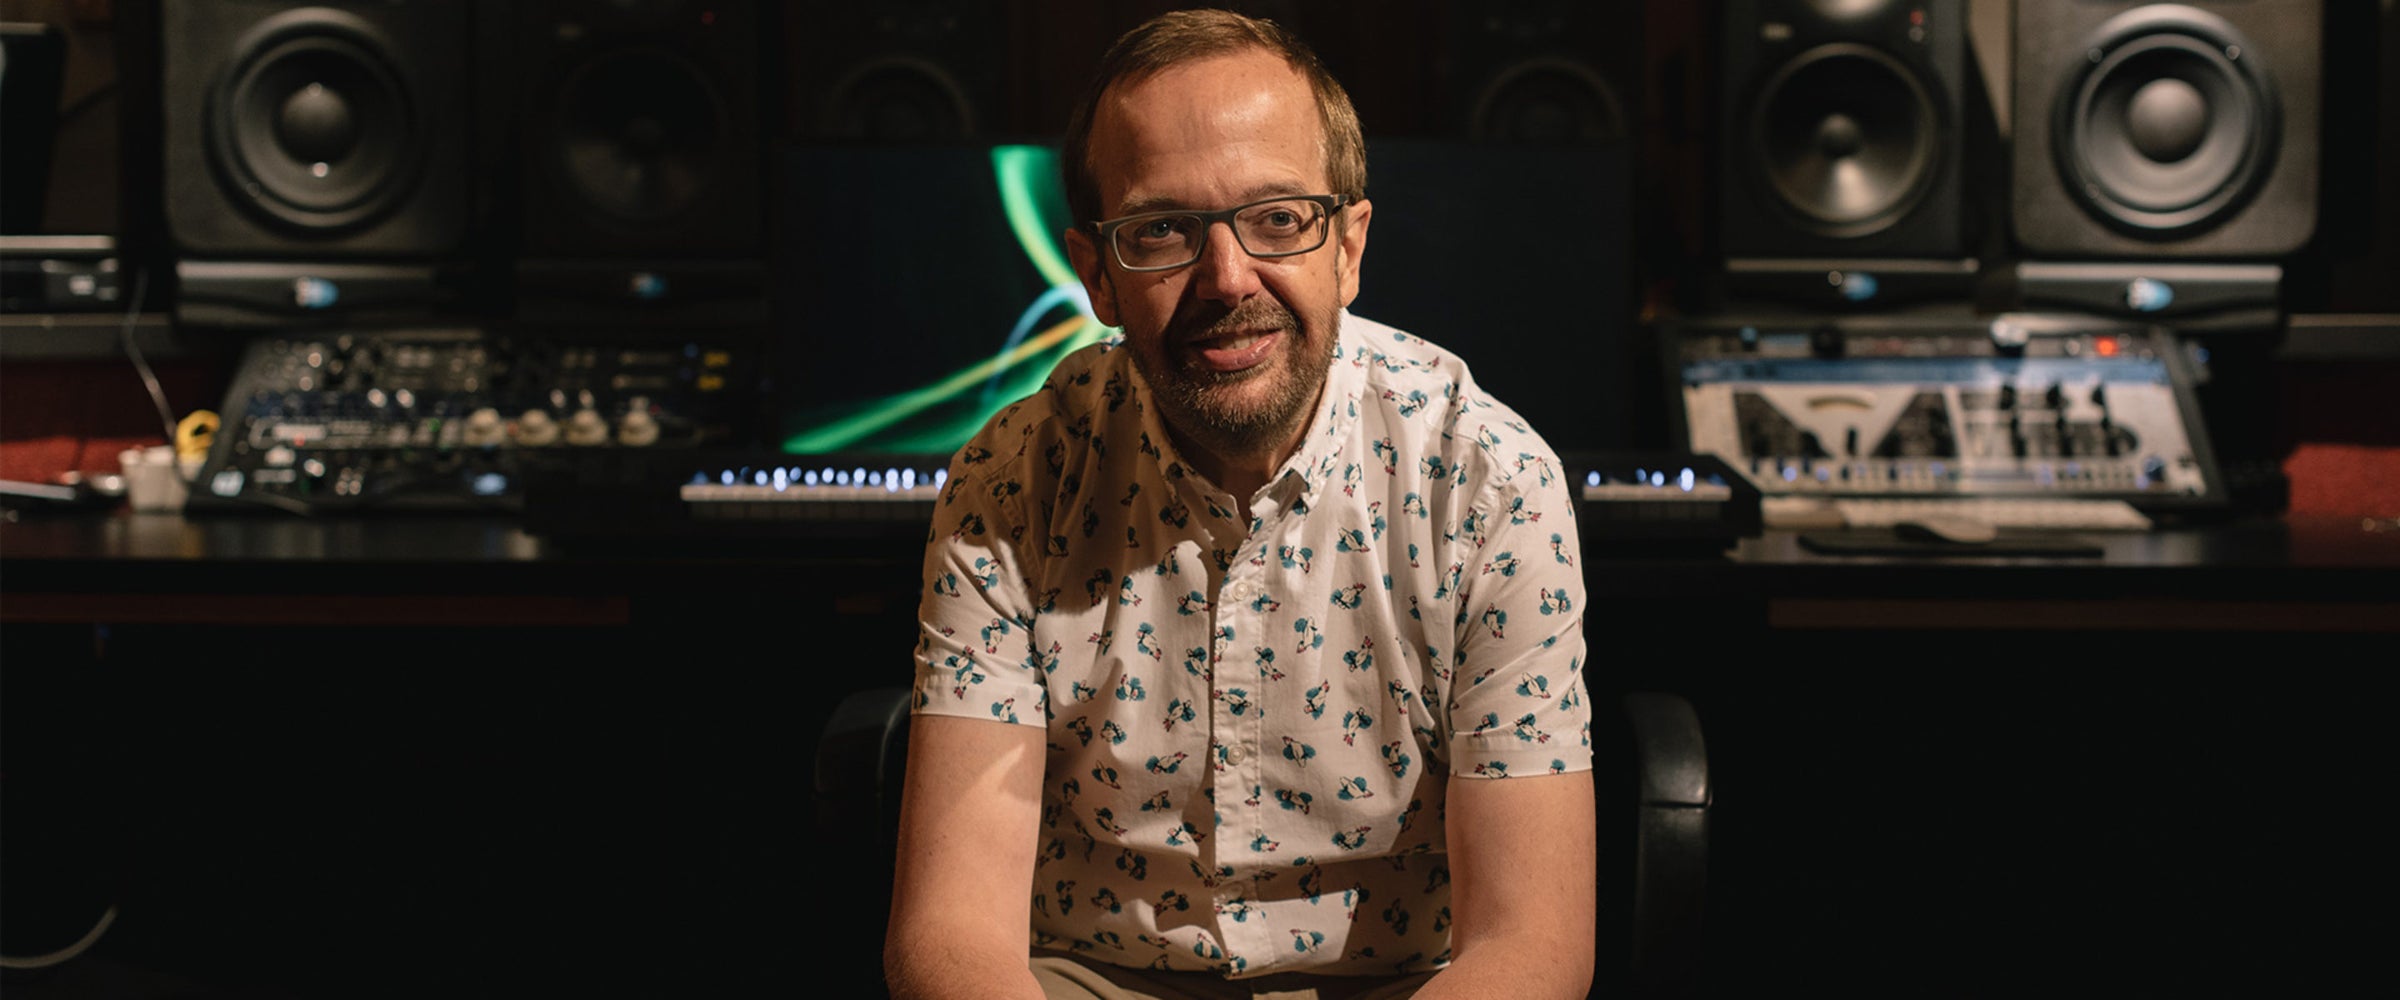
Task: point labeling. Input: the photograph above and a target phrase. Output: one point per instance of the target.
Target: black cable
(133, 351)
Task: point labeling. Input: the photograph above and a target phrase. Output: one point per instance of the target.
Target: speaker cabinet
(2357, 250)
(331, 129)
(639, 129)
(1842, 129)
(2158, 130)
(900, 71)
(33, 60)
(1541, 72)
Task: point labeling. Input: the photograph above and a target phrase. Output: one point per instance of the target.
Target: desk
(1955, 776)
(2316, 574)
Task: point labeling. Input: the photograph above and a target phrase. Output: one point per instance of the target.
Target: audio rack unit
(458, 418)
(2030, 409)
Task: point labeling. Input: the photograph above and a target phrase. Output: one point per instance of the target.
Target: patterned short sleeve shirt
(1251, 709)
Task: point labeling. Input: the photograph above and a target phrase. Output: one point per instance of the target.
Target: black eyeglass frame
(1105, 231)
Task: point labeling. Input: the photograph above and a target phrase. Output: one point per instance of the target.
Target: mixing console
(456, 418)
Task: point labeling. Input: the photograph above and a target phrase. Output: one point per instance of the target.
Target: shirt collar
(1319, 456)
(1317, 459)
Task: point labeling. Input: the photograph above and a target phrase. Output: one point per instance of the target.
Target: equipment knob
(484, 429)
(638, 428)
(535, 429)
(587, 427)
(1826, 342)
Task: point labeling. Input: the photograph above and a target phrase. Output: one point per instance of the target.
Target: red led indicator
(708, 17)
(2107, 346)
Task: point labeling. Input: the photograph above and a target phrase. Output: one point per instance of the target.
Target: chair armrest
(1671, 845)
(861, 757)
(1670, 752)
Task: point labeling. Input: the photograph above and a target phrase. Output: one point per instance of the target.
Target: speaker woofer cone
(312, 128)
(1548, 101)
(1845, 139)
(900, 99)
(640, 136)
(2170, 127)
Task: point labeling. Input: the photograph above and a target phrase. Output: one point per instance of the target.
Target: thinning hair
(1186, 35)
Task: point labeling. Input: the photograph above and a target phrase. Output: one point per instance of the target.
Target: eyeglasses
(1275, 227)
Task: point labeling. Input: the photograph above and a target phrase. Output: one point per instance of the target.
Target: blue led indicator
(314, 293)
(2148, 295)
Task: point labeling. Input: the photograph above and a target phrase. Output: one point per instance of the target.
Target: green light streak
(1019, 172)
(1072, 333)
(1018, 168)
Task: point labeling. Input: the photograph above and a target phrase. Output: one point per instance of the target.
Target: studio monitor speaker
(640, 129)
(899, 71)
(320, 130)
(1542, 72)
(1842, 129)
(2166, 130)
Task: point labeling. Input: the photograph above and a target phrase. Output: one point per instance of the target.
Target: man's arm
(1521, 888)
(961, 898)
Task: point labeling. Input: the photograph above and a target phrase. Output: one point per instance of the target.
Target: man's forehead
(1250, 106)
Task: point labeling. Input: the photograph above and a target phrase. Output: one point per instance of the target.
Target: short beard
(1184, 395)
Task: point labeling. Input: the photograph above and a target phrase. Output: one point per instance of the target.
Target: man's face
(1235, 347)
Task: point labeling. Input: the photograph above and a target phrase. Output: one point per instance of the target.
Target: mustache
(1202, 320)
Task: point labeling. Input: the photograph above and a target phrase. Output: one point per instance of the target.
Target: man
(1251, 644)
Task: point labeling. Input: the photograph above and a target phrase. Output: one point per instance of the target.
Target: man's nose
(1225, 272)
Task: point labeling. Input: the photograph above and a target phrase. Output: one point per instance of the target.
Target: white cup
(153, 478)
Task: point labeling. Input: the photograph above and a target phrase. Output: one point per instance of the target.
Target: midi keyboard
(737, 497)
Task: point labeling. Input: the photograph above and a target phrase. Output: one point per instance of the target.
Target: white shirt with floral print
(1250, 717)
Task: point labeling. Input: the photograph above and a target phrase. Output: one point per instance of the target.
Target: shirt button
(1236, 753)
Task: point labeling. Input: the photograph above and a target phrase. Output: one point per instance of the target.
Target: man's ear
(1352, 248)
(1085, 255)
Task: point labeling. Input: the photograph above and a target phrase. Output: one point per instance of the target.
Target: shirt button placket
(1236, 751)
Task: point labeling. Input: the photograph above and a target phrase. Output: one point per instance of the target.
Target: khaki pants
(1064, 977)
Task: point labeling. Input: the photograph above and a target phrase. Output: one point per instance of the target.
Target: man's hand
(961, 898)
(1521, 889)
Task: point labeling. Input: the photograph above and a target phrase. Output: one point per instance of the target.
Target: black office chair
(1654, 864)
